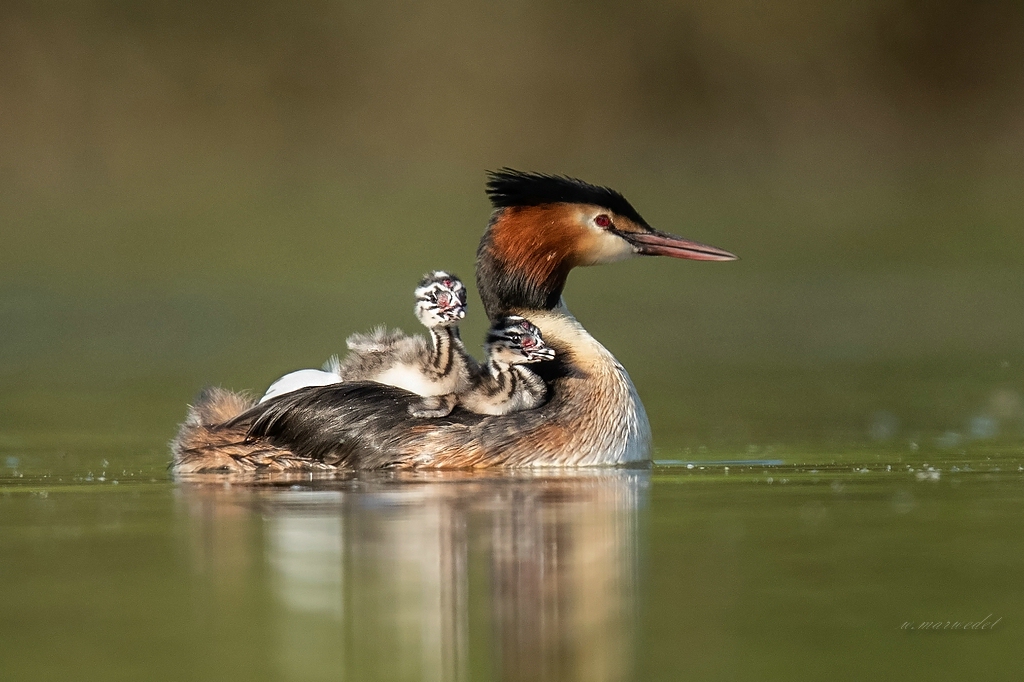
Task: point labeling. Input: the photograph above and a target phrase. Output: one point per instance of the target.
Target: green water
(690, 571)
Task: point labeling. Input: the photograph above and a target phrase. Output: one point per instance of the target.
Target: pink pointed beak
(656, 243)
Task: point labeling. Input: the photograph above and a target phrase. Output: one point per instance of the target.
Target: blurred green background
(221, 192)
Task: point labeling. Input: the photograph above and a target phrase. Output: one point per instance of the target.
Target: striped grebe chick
(504, 384)
(436, 367)
(541, 228)
(391, 357)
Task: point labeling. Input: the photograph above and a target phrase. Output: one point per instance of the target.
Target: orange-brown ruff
(542, 227)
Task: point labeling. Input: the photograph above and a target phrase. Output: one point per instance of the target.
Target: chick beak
(656, 243)
(540, 354)
(452, 313)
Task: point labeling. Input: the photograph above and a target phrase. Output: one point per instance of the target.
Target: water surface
(746, 569)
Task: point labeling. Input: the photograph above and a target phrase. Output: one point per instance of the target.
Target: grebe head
(545, 225)
(440, 299)
(514, 340)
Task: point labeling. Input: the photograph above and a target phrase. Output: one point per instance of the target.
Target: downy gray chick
(391, 357)
(436, 367)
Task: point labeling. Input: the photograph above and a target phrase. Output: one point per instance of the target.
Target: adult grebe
(542, 227)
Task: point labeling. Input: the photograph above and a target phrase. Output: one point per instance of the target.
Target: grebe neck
(519, 272)
(444, 342)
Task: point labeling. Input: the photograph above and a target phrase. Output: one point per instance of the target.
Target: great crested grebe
(503, 385)
(542, 227)
(390, 357)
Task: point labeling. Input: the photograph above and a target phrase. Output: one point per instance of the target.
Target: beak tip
(662, 244)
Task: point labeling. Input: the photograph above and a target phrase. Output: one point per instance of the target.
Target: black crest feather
(508, 187)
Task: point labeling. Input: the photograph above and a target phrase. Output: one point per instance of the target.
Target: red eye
(447, 283)
(603, 221)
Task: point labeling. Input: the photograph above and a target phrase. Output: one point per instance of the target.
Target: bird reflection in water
(435, 576)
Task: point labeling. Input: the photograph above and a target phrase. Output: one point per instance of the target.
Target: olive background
(219, 193)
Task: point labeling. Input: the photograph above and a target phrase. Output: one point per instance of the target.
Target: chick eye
(603, 220)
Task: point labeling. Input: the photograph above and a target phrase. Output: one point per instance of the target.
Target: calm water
(753, 569)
